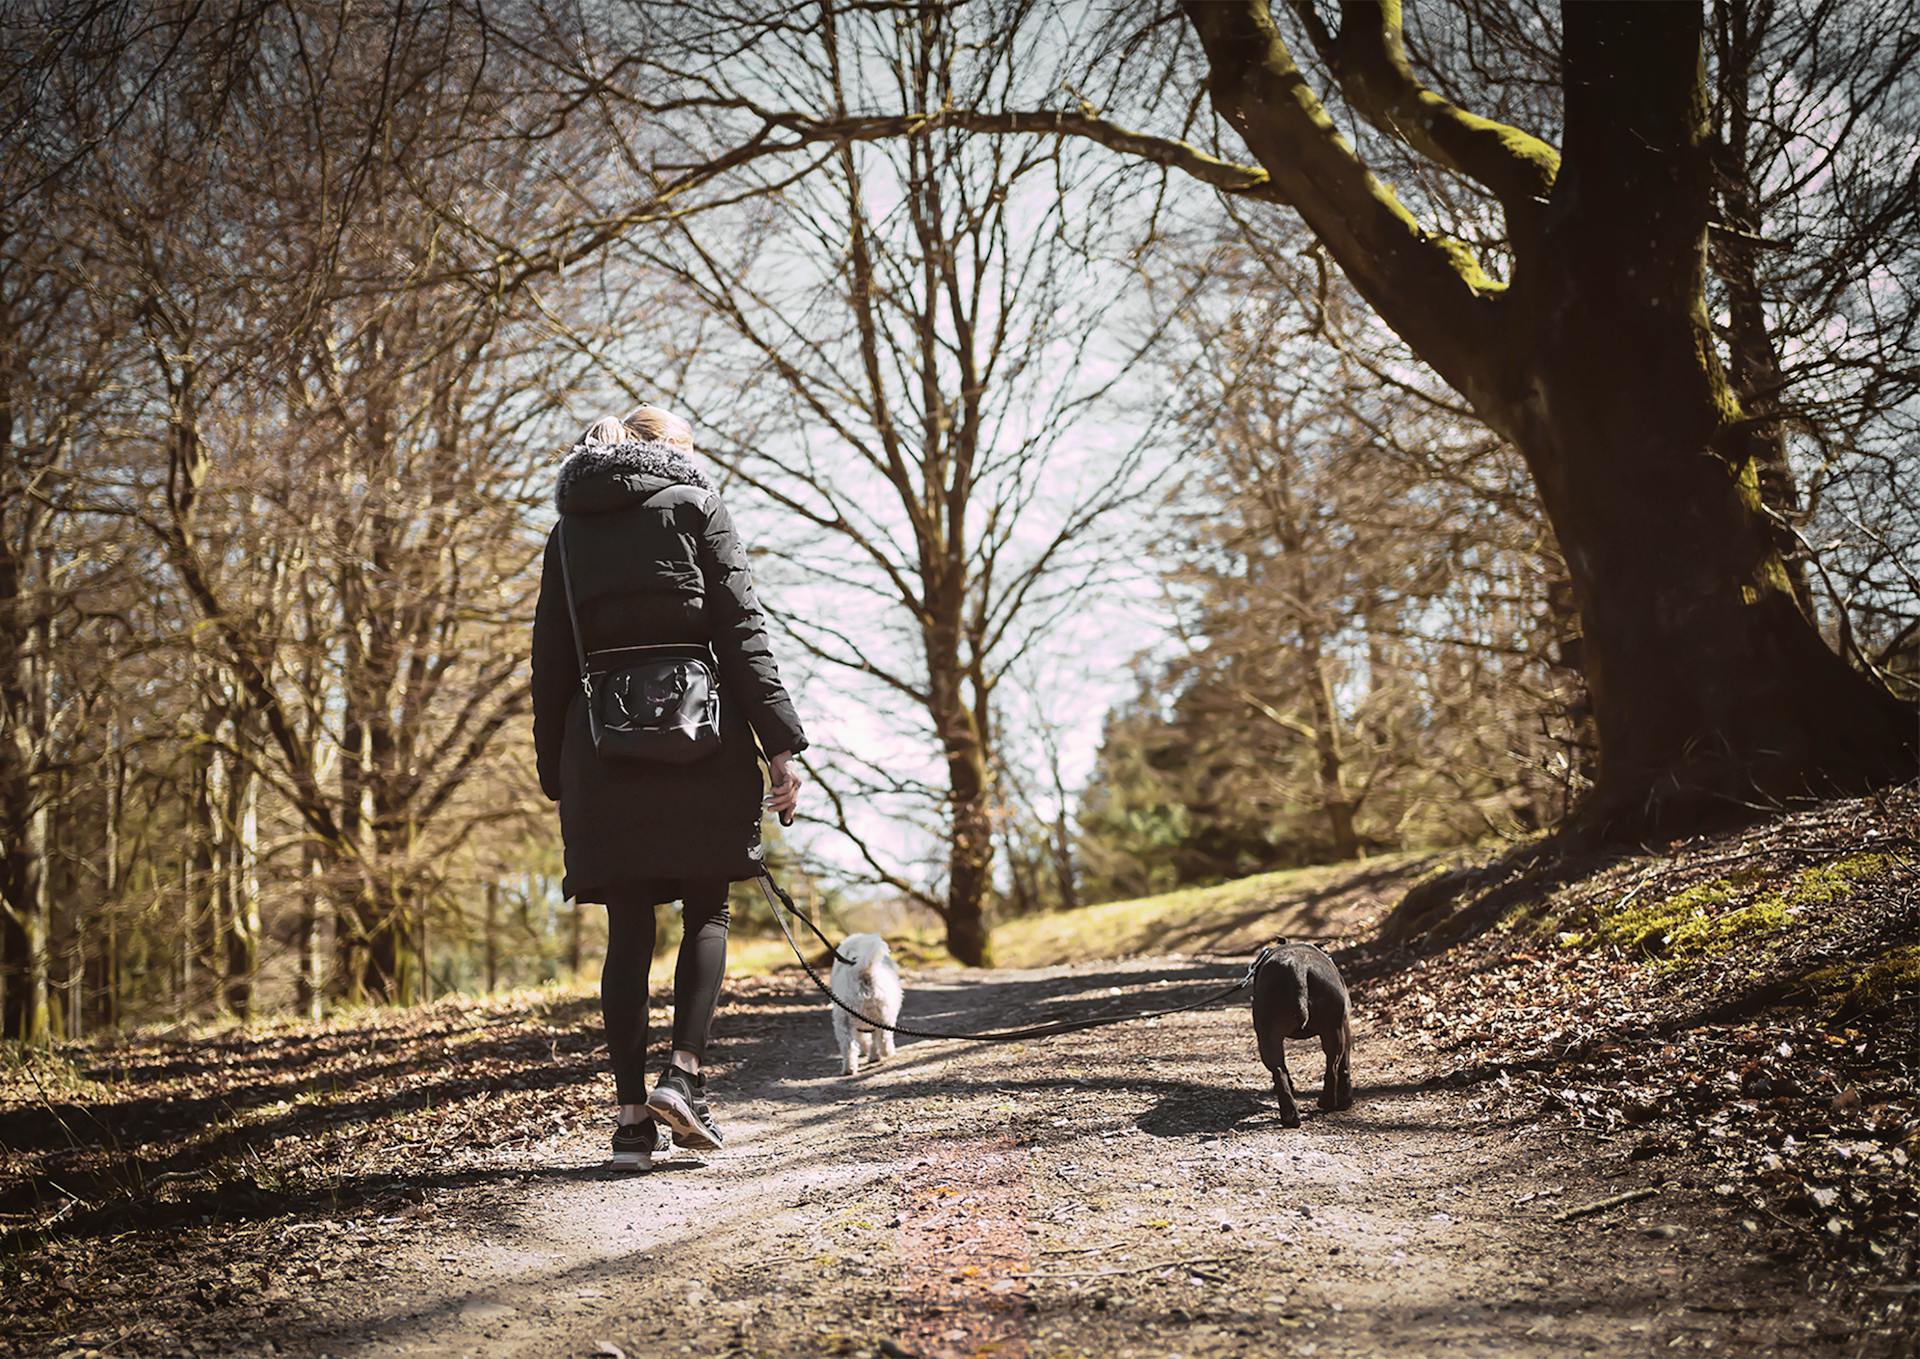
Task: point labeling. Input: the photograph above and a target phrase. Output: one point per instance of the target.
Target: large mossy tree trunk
(1707, 678)
(1711, 686)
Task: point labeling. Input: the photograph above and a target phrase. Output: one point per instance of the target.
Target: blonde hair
(657, 422)
(643, 423)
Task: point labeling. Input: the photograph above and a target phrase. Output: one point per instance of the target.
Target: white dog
(870, 983)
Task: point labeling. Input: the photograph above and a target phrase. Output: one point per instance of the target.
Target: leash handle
(1048, 1030)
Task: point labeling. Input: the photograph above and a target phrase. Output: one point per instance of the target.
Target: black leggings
(696, 976)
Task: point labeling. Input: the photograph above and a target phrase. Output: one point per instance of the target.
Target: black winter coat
(655, 559)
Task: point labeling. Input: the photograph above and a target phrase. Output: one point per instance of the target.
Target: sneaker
(680, 1102)
(636, 1146)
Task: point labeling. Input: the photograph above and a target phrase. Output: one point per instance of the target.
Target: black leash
(773, 889)
(769, 888)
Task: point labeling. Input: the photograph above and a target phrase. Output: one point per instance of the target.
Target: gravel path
(1122, 1192)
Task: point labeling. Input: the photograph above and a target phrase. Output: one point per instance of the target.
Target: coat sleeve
(740, 636)
(556, 671)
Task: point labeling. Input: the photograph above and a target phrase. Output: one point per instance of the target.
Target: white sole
(630, 1160)
(670, 1109)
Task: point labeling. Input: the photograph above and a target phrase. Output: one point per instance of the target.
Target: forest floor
(1659, 1103)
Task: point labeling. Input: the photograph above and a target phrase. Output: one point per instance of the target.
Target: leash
(773, 890)
(769, 887)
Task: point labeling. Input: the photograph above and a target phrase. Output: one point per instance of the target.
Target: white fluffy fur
(870, 983)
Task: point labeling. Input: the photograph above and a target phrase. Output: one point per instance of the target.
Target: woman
(654, 560)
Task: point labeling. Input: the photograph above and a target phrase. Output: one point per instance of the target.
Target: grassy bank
(1328, 903)
(1331, 902)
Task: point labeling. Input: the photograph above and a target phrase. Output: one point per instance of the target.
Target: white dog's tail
(867, 975)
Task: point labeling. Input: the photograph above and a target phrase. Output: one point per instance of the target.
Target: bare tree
(906, 343)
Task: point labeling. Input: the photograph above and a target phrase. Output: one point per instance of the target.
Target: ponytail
(607, 430)
(657, 422)
(645, 423)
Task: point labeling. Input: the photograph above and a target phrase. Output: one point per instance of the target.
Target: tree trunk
(493, 935)
(387, 916)
(242, 887)
(112, 873)
(183, 984)
(13, 970)
(25, 1007)
(970, 826)
(24, 1002)
(1064, 874)
(355, 910)
(1021, 898)
(65, 906)
(310, 980)
(969, 862)
(317, 857)
(381, 910)
(31, 913)
(75, 1026)
(1710, 686)
(19, 869)
(203, 887)
(962, 731)
(416, 960)
(1334, 800)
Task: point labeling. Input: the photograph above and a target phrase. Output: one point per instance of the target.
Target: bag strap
(566, 586)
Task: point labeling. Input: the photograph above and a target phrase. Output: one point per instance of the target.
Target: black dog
(1297, 993)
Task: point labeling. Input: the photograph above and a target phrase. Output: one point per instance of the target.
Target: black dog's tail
(1295, 993)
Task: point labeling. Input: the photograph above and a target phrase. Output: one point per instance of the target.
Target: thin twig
(1589, 1209)
(1135, 1269)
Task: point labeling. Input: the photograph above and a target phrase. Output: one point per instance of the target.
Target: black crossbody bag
(658, 703)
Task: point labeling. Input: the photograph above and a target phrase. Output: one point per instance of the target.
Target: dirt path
(1120, 1192)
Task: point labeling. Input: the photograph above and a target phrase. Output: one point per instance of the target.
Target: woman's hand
(786, 786)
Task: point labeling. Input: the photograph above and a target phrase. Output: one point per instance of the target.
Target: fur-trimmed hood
(620, 463)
